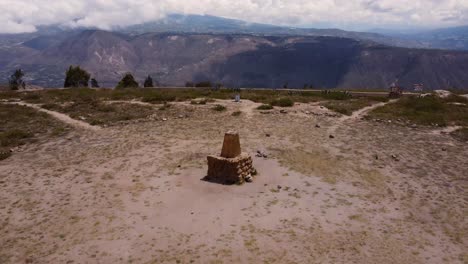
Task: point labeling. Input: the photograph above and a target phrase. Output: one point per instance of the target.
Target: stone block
(229, 170)
(231, 145)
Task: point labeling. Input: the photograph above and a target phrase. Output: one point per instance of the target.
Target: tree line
(76, 77)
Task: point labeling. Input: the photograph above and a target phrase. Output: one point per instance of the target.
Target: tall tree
(128, 81)
(148, 82)
(16, 80)
(94, 83)
(76, 77)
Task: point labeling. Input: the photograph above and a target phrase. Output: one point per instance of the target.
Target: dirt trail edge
(62, 117)
(358, 114)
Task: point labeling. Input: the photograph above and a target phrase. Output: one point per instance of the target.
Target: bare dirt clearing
(132, 193)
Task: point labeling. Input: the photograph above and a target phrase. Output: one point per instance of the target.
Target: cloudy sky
(25, 15)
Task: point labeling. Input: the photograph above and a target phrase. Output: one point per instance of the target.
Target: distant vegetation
(128, 81)
(16, 80)
(76, 77)
(94, 83)
(282, 102)
(430, 110)
(148, 82)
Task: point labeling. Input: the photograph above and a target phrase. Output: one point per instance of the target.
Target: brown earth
(133, 193)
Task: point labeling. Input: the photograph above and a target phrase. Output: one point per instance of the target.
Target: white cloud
(25, 15)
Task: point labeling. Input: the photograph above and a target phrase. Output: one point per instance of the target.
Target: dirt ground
(133, 193)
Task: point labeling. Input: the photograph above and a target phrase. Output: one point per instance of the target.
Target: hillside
(239, 60)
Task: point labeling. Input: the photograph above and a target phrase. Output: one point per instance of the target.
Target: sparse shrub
(128, 81)
(30, 97)
(265, 107)
(148, 82)
(76, 77)
(16, 80)
(219, 108)
(50, 106)
(189, 84)
(335, 95)
(461, 134)
(165, 106)
(13, 137)
(94, 83)
(4, 153)
(282, 102)
(205, 84)
(237, 113)
(157, 97)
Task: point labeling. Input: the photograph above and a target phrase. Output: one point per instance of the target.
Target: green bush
(265, 107)
(128, 81)
(76, 77)
(283, 102)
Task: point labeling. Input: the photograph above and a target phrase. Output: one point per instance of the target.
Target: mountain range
(235, 53)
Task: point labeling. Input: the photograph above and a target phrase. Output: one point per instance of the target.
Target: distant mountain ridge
(236, 60)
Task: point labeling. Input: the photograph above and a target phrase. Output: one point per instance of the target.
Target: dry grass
(461, 134)
(429, 110)
(347, 107)
(20, 125)
(99, 113)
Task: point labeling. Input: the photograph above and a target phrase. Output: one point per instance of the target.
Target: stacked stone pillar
(233, 166)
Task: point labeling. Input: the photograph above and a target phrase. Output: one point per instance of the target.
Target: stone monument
(233, 166)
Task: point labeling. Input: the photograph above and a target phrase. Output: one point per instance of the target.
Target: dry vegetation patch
(348, 106)
(97, 112)
(430, 110)
(20, 125)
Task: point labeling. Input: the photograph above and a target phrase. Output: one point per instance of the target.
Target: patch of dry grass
(20, 125)
(347, 107)
(99, 113)
(461, 134)
(429, 110)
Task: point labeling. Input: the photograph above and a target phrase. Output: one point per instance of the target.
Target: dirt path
(446, 130)
(62, 117)
(135, 102)
(357, 114)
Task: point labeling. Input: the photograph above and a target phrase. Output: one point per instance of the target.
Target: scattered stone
(261, 154)
(307, 112)
(267, 135)
(181, 116)
(282, 111)
(279, 187)
(164, 119)
(395, 157)
(248, 178)
(317, 126)
(444, 149)
(376, 156)
(331, 136)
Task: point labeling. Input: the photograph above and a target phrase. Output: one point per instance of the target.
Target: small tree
(94, 83)
(148, 82)
(127, 82)
(76, 77)
(16, 80)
